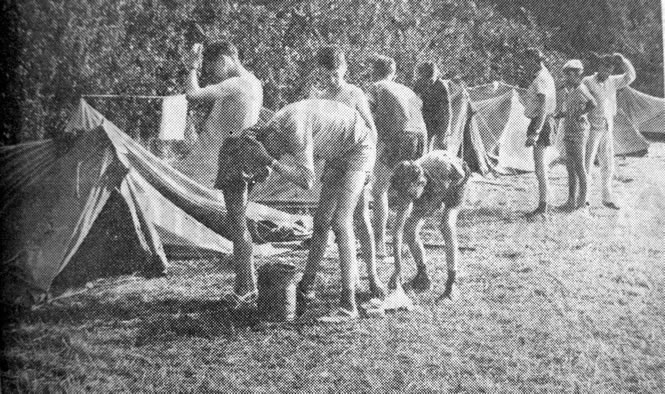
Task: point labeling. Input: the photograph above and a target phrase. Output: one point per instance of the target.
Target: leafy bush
(67, 48)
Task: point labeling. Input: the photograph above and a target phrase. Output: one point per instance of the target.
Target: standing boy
(237, 98)
(578, 102)
(603, 86)
(540, 104)
(418, 189)
(401, 133)
(332, 68)
(436, 104)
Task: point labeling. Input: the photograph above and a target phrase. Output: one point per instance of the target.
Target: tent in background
(54, 198)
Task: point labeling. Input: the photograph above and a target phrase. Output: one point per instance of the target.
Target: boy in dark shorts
(401, 132)
(418, 189)
(578, 103)
(433, 90)
(539, 106)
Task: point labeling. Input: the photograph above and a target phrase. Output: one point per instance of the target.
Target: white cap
(574, 64)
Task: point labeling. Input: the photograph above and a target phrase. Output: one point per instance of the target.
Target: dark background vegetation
(55, 51)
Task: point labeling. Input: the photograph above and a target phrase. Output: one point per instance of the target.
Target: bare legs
(339, 198)
(367, 244)
(541, 173)
(235, 198)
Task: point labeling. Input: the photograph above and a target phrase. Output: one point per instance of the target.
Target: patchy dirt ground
(571, 303)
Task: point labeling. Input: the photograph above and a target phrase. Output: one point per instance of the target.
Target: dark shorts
(545, 136)
(405, 146)
(233, 172)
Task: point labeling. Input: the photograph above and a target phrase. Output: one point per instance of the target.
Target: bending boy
(401, 132)
(418, 189)
(336, 133)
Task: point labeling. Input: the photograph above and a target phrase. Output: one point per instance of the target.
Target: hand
(530, 141)
(194, 58)
(255, 152)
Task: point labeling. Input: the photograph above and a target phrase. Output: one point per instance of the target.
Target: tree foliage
(62, 49)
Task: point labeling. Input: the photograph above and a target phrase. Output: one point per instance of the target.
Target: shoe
(341, 315)
(303, 300)
(541, 210)
(611, 205)
(377, 290)
(567, 207)
(421, 282)
(236, 302)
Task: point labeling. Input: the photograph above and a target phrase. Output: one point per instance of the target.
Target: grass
(566, 304)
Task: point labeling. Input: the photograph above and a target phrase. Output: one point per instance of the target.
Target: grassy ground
(573, 303)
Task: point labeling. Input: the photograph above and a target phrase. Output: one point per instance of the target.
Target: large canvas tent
(54, 196)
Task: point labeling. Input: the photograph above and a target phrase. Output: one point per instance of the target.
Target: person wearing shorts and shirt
(603, 86)
(325, 130)
(540, 105)
(332, 67)
(401, 134)
(578, 101)
(237, 97)
(433, 90)
(418, 189)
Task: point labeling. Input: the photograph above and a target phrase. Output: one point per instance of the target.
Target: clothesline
(124, 96)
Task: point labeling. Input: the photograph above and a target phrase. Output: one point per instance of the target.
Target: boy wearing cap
(603, 86)
(401, 132)
(578, 102)
(540, 105)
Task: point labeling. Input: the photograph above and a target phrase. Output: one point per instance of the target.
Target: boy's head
(605, 66)
(427, 71)
(533, 60)
(332, 65)
(220, 61)
(573, 70)
(384, 67)
(407, 183)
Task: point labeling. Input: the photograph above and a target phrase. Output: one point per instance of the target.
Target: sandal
(341, 315)
(236, 301)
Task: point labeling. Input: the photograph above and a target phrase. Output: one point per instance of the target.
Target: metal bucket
(277, 292)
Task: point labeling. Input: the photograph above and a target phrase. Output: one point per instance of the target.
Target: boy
(332, 69)
(336, 133)
(578, 103)
(603, 86)
(419, 188)
(436, 104)
(237, 98)
(540, 104)
(401, 133)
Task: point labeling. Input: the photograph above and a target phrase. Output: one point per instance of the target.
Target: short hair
(606, 61)
(405, 174)
(427, 70)
(534, 53)
(330, 57)
(383, 65)
(218, 48)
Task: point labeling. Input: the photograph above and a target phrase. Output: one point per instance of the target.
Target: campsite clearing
(574, 304)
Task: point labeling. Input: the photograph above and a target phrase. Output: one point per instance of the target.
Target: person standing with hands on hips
(540, 105)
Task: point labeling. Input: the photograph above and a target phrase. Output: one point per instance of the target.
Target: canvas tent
(53, 198)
